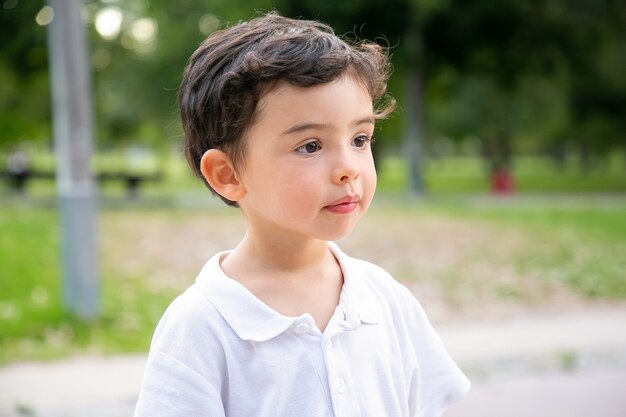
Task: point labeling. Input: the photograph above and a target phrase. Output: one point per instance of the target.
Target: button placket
(336, 373)
(340, 386)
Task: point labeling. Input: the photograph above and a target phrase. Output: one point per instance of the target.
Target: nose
(345, 169)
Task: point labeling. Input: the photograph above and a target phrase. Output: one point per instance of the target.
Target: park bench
(18, 179)
(132, 181)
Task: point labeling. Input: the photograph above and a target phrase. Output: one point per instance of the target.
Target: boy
(278, 117)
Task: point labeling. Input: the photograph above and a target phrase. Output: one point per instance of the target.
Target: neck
(282, 255)
(292, 276)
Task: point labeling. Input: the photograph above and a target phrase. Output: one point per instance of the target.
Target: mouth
(344, 205)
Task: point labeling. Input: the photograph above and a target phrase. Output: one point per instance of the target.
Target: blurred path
(568, 340)
(86, 386)
(598, 393)
(568, 364)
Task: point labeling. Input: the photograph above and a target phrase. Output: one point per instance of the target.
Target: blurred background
(502, 176)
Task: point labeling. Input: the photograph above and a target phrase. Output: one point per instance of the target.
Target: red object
(502, 181)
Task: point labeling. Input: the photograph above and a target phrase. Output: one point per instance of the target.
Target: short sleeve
(172, 389)
(437, 382)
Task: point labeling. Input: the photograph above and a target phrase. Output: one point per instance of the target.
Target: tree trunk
(414, 112)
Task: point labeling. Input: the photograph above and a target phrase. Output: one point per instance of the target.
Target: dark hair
(230, 71)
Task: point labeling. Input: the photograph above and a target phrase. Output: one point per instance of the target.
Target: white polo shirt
(219, 351)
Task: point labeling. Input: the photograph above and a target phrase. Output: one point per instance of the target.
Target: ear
(220, 173)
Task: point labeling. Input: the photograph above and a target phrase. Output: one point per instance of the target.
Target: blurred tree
(546, 72)
(137, 71)
(571, 53)
(138, 78)
(597, 85)
(24, 87)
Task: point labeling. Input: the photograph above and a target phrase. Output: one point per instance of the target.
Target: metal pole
(73, 143)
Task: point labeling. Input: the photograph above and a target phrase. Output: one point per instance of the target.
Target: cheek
(292, 184)
(371, 182)
(301, 184)
(368, 171)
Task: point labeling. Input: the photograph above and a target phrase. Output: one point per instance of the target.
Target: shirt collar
(253, 320)
(248, 316)
(357, 298)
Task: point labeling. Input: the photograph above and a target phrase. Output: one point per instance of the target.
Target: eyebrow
(302, 127)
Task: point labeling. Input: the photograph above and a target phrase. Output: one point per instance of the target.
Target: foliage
(540, 74)
(24, 87)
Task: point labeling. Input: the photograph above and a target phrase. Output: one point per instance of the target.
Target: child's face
(308, 169)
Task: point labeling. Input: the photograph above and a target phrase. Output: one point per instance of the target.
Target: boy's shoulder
(190, 315)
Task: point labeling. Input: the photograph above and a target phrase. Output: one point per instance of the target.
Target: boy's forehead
(282, 97)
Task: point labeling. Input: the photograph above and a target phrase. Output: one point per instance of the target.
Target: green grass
(601, 216)
(526, 246)
(33, 322)
(29, 271)
(580, 241)
(531, 174)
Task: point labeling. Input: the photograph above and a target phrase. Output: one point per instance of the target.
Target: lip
(344, 205)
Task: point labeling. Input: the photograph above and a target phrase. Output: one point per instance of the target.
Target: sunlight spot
(208, 24)
(109, 22)
(45, 16)
(144, 30)
(9, 4)
(142, 35)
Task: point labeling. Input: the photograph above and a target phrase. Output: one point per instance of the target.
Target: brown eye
(310, 147)
(360, 141)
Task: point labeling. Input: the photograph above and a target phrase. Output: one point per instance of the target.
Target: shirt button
(340, 386)
(302, 328)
